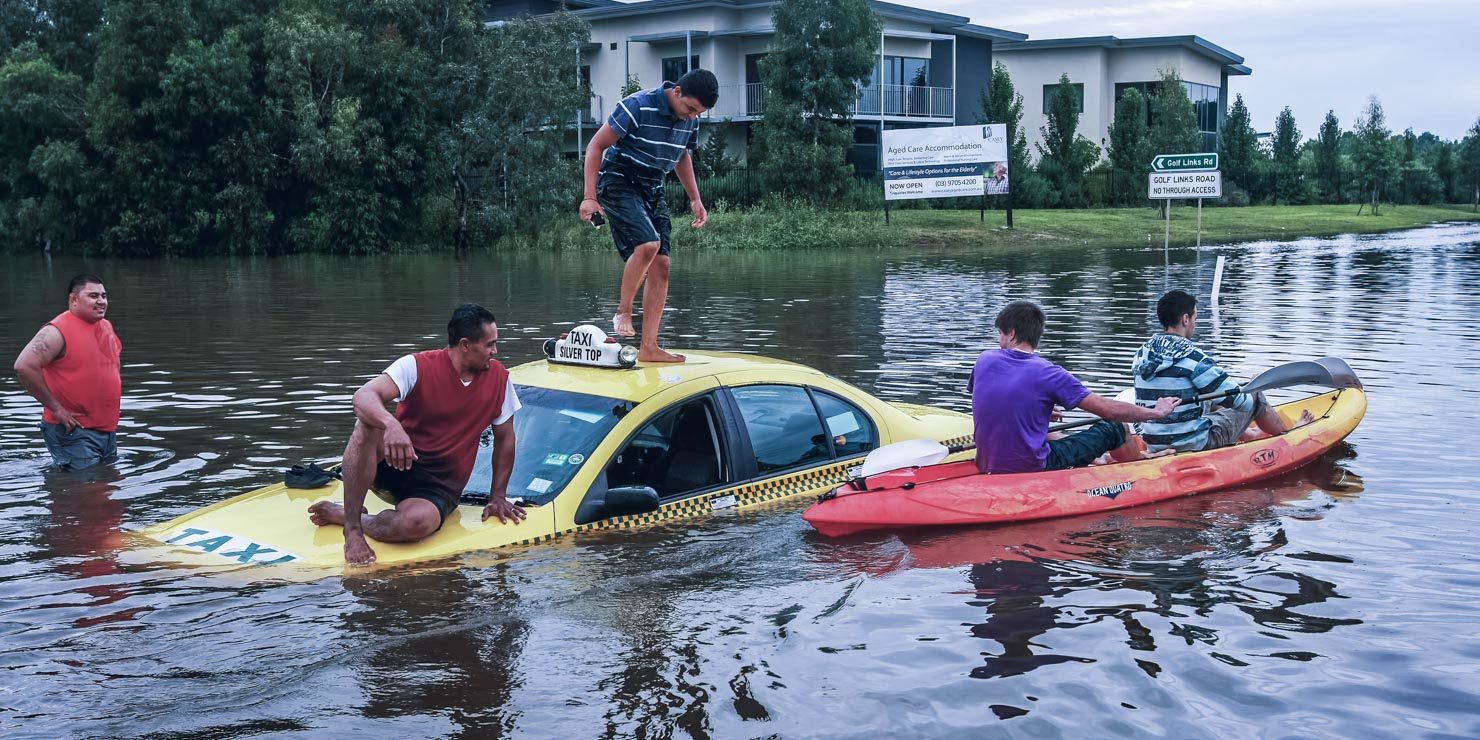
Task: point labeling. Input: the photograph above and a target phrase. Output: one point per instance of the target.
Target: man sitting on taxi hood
(423, 455)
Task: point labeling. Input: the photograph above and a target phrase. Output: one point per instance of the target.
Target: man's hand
(1165, 405)
(396, 447)
(1056, 414)
(701, 214)
(589, 208)
(501, 507)
(66, 418)
(357, 551)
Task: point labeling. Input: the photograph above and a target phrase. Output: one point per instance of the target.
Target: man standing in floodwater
(648, 135)
(72, 366)
(424, 454)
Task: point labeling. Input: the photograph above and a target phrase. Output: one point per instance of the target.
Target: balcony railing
(911, 101)
(903, 101)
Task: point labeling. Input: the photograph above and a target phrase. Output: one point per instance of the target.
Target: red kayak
(955, 493)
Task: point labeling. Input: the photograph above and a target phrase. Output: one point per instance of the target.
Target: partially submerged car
(604, 442)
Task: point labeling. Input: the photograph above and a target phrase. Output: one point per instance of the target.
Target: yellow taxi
(604, 442)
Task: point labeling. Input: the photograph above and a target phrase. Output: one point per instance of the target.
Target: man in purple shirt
(1013, 394)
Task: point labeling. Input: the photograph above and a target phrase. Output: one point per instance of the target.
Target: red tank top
(445, 418)
(85, 379)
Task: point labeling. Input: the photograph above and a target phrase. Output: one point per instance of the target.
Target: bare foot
(1306, 417)
(658, 355)
(622, 324)
(326, 512)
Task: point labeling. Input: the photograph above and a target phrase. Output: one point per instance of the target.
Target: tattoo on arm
(40, 346)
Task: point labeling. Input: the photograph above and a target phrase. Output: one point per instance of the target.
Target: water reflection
(439, 644)
(1187, 556)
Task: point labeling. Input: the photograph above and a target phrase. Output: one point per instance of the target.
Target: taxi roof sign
(590, 346)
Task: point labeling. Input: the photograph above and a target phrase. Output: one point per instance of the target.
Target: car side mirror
(630, 500)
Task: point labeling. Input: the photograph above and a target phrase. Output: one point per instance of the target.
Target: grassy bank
(1140, 226)
(798, 227)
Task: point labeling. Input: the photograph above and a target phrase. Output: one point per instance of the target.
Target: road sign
(1174, 185)
(1184, 162)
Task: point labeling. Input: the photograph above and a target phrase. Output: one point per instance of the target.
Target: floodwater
(1337, 602)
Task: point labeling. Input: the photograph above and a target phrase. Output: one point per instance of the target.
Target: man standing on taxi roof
(72, 367)
(423, 454)
(648, 135)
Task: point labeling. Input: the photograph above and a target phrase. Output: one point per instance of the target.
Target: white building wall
(724, 55)
(1031, 70)
(1100, 69)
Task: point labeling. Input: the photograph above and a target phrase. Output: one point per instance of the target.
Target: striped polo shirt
(1169, 365)
(650, 139)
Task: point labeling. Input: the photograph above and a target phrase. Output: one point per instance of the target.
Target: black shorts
(416, 483)
(637, 213)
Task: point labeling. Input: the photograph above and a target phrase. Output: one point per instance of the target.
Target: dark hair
(1024, 319)
(1173, 306)
(82, 280)
(701, 85)
(467, 323)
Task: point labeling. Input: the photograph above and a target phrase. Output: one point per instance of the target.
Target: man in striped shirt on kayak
(648, 135)
(1169, 364)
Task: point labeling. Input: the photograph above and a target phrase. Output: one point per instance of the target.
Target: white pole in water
(1217, 279)
(1166, 244)
(1199, 228)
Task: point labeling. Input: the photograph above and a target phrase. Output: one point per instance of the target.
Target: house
(932, 70)
(1102, 67)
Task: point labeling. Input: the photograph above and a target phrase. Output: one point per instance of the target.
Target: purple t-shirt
(1012, 395)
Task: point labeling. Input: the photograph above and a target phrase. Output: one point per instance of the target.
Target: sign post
(1181, 177)
(945, 162)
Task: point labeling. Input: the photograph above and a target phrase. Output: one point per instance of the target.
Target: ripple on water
(1337, 601)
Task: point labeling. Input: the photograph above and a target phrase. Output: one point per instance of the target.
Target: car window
(675, 454)
(554, 433)
(851, 429)
(783, 426)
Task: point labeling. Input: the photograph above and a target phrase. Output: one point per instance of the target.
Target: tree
(1328, 157)
(1286, 158)
(1173, 121)
(1372, 154)
(712, 159)
(1130, 149)
(1064, 154)
(1002, 103)
(632, 85)
(1444, 169)
(1238, 146)
(1468, 167)
(820, 51)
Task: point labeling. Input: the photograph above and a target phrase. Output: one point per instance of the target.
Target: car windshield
(556, 431)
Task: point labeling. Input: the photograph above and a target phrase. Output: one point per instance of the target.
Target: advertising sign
(945, 162)
(1175, 185)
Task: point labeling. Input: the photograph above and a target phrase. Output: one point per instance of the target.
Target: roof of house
(939, 22)
(1232, 62)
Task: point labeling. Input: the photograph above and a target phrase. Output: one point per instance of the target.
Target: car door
(681, 452)
(788, 428)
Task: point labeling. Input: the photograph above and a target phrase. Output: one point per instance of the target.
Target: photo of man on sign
(997, 183)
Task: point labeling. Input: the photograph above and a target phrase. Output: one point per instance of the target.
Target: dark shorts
(416, 483)
(637, 214)
(80, 448)
(1078, 450)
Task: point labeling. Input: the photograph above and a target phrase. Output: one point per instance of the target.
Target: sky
(1421, 58)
